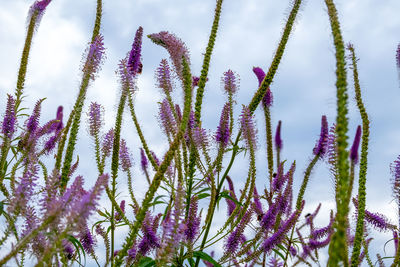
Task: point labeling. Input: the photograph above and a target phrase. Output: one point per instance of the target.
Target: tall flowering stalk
(128, 69)
(363, 161)
(338, 241)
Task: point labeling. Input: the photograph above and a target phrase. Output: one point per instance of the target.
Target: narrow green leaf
(204, 256)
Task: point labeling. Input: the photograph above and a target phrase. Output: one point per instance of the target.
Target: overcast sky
(248, 35)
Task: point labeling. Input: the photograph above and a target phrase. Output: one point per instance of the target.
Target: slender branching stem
(362, 179)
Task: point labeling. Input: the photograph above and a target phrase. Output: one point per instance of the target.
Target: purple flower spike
(398, 57)
(223, 133)
(8, 127)
(200, 137)
(274, 262)
(257, 203)
(41, 5)
(231, 82)
(260, 74)
(68, 249)
(59, 117)
(235, 238)
(132, 252)
(163, 75)
(268, 99)
(95, 56)
(175, 46)
(321, 147)
(193, 220)
(248, 128)
(278, 140)
(195, 81)
(87, 241)
(356, 144)
(395, 240)
(108, 143)
(144, 163)
(95, 115)
(395, 170)
(279, 235)
(33, 121)
(118, 216)
(167, 118)
(231, 203)
(125, 156)
(135, 53)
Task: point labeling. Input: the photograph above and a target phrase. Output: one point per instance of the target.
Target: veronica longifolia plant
(46, 210)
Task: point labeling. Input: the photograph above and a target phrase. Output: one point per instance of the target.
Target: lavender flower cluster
(50, 219)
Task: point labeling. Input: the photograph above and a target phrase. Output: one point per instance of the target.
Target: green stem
(140, 133)
(362, 179)
(115, 162)
(77, 111)
(299, 200)
(270, 155)
(206, 63)
(337, 255)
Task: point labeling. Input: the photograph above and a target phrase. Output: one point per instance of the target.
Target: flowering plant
(48, 214)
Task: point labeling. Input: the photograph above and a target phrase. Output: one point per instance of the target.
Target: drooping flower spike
(268, 98)
(175, 47)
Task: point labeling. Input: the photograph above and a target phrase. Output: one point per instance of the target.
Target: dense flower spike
(95, 57)
(33, 122)
(356, 144)
(41, 5)
(175, 46)
(125, 156)
(86, 240)
(193, 220)
(108, 142)
(200, 137)
(398, 57)
(231, 82)
(130, 66)
(144, 163)
(9, 121)
(223, 133)
(395, 170)
(248, 128)
(321, 147)
(279, 235)
(163, 76)
(268, 98)
(95, 115)
(278, 140)
(167, 118)
(134, 63)
(260, 74)
(377, 220)
(235, 238)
